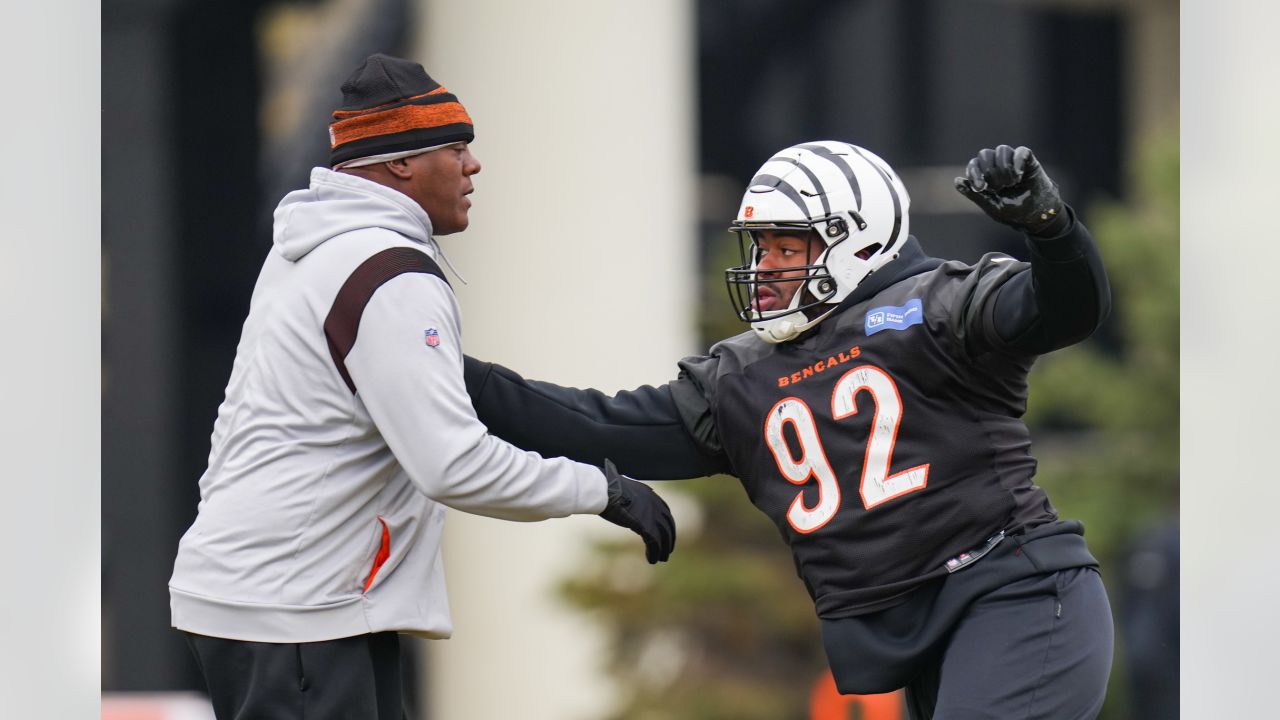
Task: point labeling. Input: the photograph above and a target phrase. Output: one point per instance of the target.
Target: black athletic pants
(1035, 649)
(355, 678)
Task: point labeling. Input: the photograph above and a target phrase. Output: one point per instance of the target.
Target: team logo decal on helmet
(849, 197)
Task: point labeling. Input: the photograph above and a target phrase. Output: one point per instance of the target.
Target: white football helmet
(850, 197)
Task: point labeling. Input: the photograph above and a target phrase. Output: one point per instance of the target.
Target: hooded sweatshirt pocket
(384, 552)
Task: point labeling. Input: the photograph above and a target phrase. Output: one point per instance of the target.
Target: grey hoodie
(321, 510)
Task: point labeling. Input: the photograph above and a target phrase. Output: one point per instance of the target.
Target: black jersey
(880, 444)
(885, 444)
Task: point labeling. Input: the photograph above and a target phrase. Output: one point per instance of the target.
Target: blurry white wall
(581, 262)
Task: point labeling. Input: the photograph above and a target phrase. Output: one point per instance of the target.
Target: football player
(873, 411)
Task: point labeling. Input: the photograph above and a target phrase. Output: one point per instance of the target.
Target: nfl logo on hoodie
(433, 337)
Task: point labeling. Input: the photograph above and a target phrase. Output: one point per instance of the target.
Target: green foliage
(1121, 471)
(1117, 471)
(723, 631)
(726, 629)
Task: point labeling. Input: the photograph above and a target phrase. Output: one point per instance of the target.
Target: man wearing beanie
(347, 429)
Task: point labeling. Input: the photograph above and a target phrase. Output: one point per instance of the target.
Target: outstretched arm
(457, 463)
(641, 430)
(1065, 295)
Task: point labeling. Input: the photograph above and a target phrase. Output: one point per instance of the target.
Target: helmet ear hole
(868, 251)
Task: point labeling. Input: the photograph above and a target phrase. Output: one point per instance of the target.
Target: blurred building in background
(616, 139)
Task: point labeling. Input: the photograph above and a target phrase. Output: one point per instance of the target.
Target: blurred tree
(1109, 415)
(726, 629)
(1104, 414)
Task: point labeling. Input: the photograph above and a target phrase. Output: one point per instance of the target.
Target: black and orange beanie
(392, 106)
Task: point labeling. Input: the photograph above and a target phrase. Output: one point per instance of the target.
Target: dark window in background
(923, 83)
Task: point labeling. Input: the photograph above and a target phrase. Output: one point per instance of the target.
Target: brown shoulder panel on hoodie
(343, 321)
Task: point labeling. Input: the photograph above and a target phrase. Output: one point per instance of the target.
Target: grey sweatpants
(1038, 648)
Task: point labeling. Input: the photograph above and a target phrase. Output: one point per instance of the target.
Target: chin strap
(782, 329)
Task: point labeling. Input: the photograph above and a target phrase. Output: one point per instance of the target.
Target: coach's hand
(1012, 187)
(635, 506)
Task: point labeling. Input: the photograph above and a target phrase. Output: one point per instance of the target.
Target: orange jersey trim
(397, 120)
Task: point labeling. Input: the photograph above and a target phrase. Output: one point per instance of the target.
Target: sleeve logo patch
(894, 317)
(432, 337)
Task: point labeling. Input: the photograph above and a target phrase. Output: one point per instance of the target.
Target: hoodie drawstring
(448, 264)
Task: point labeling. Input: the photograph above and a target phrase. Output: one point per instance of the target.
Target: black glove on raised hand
(636, 507)
(1012, 187)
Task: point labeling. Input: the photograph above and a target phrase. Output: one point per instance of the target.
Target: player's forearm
(640, 430)
(1062, 299)
(415, 396)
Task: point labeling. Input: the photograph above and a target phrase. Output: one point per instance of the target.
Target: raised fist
(1012, 187)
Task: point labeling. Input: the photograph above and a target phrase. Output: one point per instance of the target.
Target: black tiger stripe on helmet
(776, 183)
(894, 234)
(813, 179)
(824, 152)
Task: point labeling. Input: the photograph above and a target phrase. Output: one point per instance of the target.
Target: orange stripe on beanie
(398, 120)
(392, 105)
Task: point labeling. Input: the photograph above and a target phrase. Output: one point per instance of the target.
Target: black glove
(636, 507)
(1012, 187)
